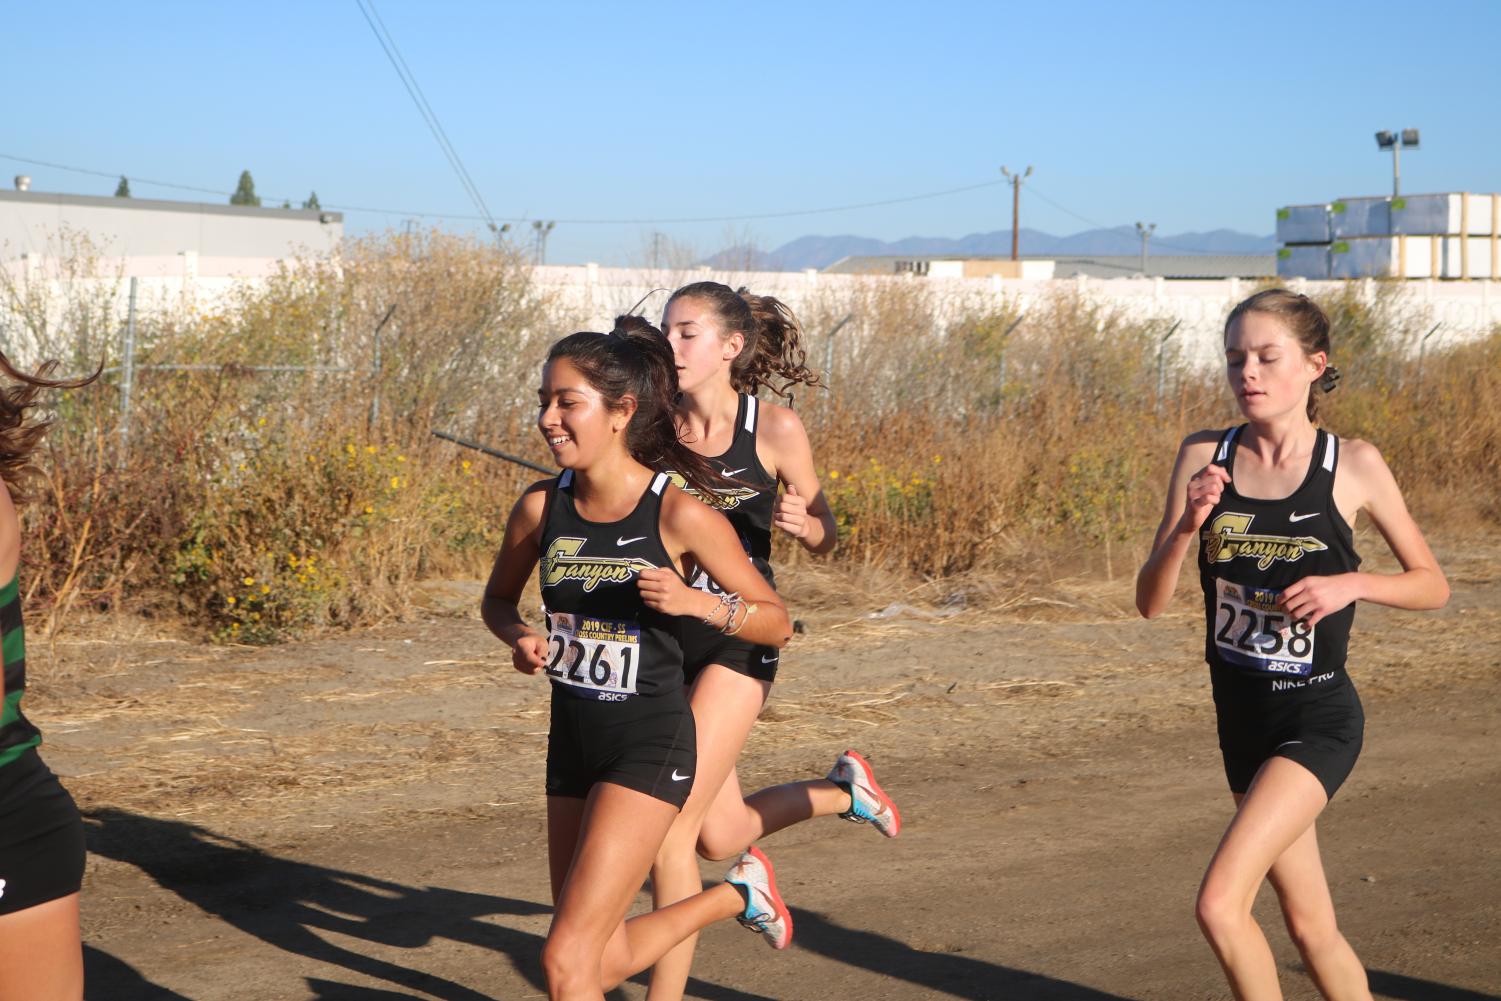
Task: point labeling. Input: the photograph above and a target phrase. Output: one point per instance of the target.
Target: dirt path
(361, 818)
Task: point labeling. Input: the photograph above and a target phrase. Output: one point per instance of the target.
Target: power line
(572, 222)
(111, 175)
(414, 91)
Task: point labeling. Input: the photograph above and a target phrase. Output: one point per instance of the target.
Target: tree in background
(245, 192)
(122, 190)
(312, 202)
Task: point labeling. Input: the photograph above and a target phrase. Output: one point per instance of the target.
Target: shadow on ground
(287, 903)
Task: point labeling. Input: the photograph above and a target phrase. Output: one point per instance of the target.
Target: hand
(1204, 492)
(790, 513)
(664, 591)
(1313, 598)
(529, 653)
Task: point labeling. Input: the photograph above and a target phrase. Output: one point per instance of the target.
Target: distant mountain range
(821, 251)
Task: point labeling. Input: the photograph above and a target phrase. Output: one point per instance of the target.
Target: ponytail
(634, 359)
(20, 432)
(773, 338)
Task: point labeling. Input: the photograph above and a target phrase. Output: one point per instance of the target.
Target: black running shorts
(704, 645)
(646, 743)
(1322, 734)
(41, 836)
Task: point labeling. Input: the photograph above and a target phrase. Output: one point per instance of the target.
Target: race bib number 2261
(599, 658)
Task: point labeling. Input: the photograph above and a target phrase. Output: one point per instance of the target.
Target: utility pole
(1016, 207)
(1145, 231)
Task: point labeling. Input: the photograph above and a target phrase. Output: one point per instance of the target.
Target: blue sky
(1191, 115)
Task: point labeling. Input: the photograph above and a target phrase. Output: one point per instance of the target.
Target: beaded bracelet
(727, 602)
(750, 609)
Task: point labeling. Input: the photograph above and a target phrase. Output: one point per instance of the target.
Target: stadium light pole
(1145, 231)
(1396, 142)
(540, 230)
(1016, 206)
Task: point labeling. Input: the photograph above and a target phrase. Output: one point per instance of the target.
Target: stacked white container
(1305, 233)
(1452, 235)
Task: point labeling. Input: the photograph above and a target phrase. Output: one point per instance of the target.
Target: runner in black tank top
(728, 346)
(1272, 503)
(618, 711)
(608, 537)
(748, 504)
(1280, 685)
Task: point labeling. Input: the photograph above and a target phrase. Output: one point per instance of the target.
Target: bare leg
(1277, 811)
(615, 834)
(644, 940)
(41, 954)
(732, 822)
(609, 841)
(725, 706)
(1308, 909)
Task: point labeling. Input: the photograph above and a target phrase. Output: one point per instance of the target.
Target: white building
(148, 238)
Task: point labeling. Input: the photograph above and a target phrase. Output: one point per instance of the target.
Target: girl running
(41, 833)
(728, 345)
(611, 535)
(1273, 502)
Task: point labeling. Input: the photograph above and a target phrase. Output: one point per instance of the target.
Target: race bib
(598, 658)
(703, 582)
(1250, 631)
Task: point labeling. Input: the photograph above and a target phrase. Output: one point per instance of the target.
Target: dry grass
(972, 462)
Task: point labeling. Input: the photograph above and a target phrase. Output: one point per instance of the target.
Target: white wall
(589, 297)
(1466, 309)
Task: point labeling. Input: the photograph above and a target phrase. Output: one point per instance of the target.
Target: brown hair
(773, 337)
(20, 430)
(634, 359)
(1308, 324)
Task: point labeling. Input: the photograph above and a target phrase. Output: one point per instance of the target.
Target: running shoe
(764, 910)
(869, 804)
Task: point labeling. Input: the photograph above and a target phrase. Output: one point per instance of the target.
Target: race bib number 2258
(1250, 631)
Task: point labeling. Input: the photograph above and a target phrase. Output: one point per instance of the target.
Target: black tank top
(749, 503)
(603, 641)
(1249, 550)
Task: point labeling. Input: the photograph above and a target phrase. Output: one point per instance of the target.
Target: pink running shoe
(764, 910)
(869, 804)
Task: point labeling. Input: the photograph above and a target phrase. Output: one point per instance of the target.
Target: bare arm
(1193, 491)
(1365, 482)
(519, 552)
(690, 528)
(803, 511)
